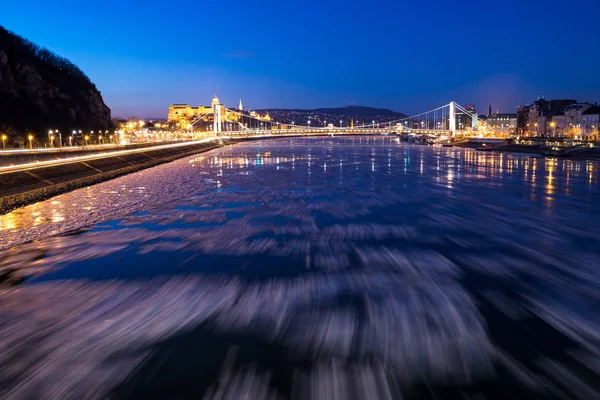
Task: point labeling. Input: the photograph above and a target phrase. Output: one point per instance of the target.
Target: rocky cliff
(40, 91)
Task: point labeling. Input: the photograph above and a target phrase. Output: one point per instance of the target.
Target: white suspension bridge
(439, 123)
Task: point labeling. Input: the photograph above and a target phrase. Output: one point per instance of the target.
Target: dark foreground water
(346, 268)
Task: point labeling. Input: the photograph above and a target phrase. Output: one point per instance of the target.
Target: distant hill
(359, 114)
(40, 90)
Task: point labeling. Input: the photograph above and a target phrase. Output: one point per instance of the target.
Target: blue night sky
(409, 56)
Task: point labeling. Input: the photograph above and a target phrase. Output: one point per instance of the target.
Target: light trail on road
(71, 160)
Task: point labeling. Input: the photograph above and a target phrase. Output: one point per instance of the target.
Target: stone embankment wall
(20, 188)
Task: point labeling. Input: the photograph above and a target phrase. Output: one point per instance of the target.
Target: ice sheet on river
(391, 273)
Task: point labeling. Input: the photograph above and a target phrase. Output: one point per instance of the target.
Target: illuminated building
(184, 114)
(590, 122)
(502, 122)
(465, 120)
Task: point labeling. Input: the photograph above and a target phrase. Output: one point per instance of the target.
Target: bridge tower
(217, 123)
(452, 119)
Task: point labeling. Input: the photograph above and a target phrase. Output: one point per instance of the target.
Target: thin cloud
(241, 54)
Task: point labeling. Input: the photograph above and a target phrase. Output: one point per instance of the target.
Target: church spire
(490, 111)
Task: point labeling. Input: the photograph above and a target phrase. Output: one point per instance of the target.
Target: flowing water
(310, 268)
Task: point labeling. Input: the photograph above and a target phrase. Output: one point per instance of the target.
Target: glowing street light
(340, 123)
(553, 125)
(86, 139)
(50, 138)
(30, 142)
(4, 137)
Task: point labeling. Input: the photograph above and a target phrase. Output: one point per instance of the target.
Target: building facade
(574, 115)
(590, 122)
(537, 119)
(184, 115)
(466, 120)
(502, 122)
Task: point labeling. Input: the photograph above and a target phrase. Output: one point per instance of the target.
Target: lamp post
(4, 137)
(340, 123)
(30, 142)
(86, 139)
(50, 138)
(59, 138)
(553, 125)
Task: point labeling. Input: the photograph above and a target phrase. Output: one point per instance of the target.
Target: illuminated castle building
(184, 114)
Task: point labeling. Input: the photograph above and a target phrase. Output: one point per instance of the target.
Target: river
(309, 268)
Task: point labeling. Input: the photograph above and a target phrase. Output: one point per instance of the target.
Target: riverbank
(23, 156)
(23, 187)
(568, 152)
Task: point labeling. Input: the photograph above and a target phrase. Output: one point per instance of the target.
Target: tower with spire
(240, 106)
(490, 111)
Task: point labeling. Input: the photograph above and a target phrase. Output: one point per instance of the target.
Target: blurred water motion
(309, 269)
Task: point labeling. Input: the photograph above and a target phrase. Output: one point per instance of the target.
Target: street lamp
(50, 138)
(340, 123)
(553, 125)
(71, 141)
(86, 139)
(4, 137)
(30, 142)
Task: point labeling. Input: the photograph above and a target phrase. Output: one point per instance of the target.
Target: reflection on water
(326, 268)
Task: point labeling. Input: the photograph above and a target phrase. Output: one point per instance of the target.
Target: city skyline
(397, 56)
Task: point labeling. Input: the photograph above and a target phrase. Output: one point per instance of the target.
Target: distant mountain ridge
(40, 90)
(347, 114)
(357, 111)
